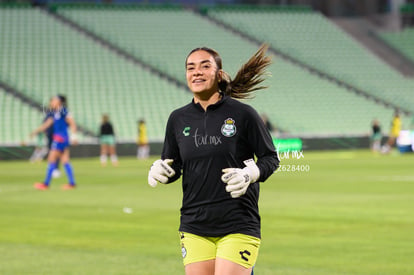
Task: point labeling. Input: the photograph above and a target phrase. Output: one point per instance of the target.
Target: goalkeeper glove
(238, 180)
(160, 172)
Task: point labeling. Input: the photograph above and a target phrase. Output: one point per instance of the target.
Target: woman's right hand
(160, 171)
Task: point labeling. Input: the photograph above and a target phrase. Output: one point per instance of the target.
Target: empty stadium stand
(17, 119)
(307, 105)
(42, 56)
(161, 37)
(138, 30)
(312, 39)
(402, 41)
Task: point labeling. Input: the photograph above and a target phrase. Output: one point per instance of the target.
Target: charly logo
(229, 128)
(186, 131)
(243, 253)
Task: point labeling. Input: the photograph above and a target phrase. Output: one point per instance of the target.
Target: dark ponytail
(249, 76)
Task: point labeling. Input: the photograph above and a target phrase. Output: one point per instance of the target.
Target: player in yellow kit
(396, 125)
(142, 140)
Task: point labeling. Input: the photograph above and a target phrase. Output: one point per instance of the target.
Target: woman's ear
(220, 75)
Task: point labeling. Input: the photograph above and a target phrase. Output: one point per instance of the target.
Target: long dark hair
(249, 76)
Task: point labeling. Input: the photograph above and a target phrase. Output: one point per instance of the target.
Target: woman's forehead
(200, 57)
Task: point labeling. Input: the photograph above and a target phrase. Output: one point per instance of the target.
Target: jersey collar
(212, 106)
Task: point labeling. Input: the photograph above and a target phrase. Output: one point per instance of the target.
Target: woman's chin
(202, 91)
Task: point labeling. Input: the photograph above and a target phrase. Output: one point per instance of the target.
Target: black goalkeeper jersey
(202, 143)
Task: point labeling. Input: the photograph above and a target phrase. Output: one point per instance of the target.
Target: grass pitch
(351, 213)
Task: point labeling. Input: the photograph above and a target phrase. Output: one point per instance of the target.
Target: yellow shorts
(237, 248)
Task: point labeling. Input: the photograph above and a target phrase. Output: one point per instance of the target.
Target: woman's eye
(206, 66)
(190, 69)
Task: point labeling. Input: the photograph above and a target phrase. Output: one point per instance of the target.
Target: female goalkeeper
(212, 142)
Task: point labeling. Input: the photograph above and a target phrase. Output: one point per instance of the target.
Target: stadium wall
(130, 149)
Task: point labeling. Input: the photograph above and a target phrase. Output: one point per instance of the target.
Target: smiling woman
(212, 142)
(209, 61)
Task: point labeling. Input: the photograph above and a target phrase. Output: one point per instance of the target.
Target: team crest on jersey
(229, 128)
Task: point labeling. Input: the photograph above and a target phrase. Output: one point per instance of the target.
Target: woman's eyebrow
(202, 62)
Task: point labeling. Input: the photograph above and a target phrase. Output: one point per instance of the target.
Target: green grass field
(352, 213)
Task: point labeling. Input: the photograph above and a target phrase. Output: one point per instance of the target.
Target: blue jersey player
(49, 135)
(59, 150)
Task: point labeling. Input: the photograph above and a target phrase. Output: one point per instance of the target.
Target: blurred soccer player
(49, 135)
(107, 139)
(376, 136)
(142, 141)
(213, 141)
(394, 133)
(61, 120)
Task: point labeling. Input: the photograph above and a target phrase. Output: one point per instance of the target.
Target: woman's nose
(197, 72)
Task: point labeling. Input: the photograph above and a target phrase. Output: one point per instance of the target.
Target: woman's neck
(207, 101)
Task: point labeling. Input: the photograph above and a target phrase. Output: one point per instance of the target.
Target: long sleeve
(171, 150)
(262, 144)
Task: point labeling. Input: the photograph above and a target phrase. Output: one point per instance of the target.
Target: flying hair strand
(249, 76)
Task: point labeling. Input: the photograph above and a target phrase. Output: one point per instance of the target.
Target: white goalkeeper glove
(160, 171)
(238, 180)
